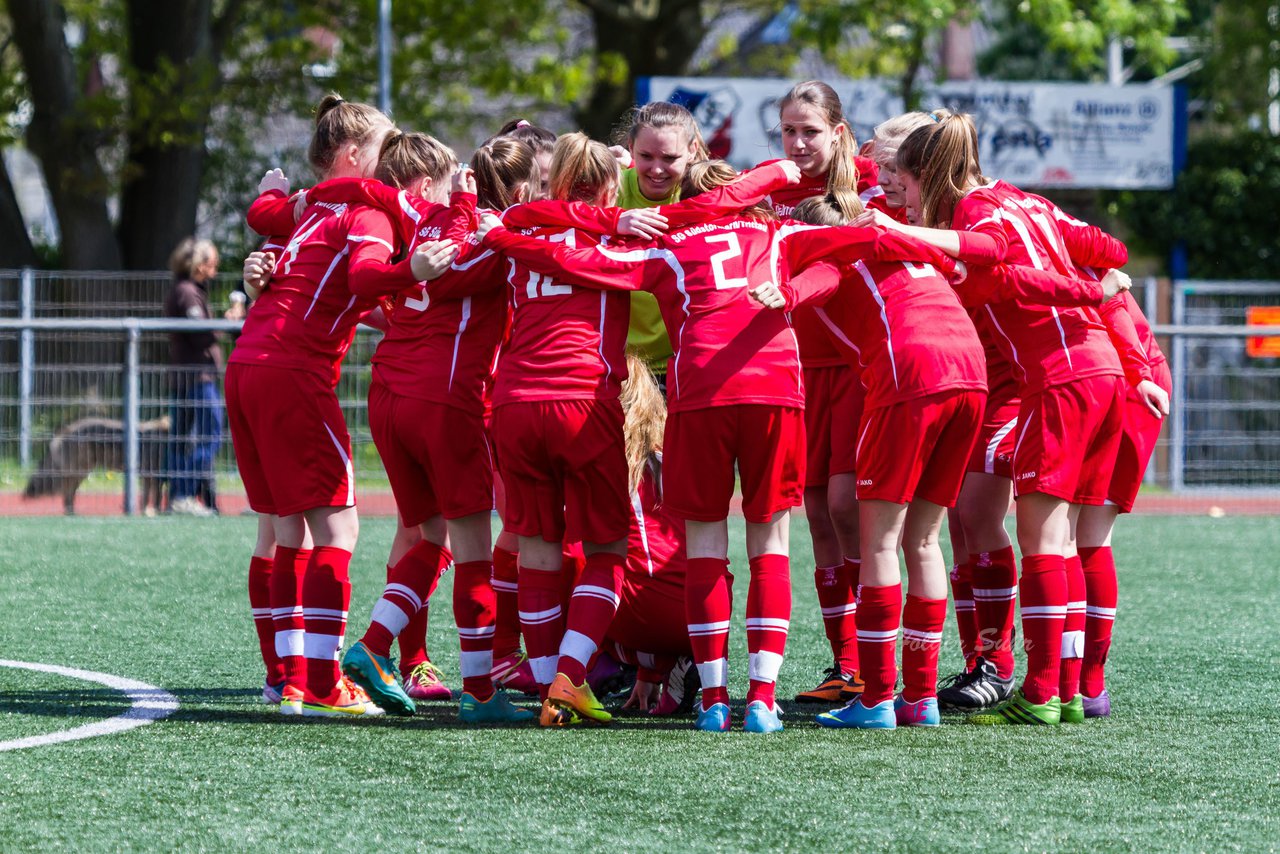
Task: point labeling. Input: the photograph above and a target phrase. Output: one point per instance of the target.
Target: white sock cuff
(763, 666)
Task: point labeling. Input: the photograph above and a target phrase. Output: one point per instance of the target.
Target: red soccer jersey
(816, 348)
(306, 317)
(1046, 346)
(728, 349)
(566, 342)
(655, 543)
(784, 200)
(911, 335)
(1130, 331)
(443, 335)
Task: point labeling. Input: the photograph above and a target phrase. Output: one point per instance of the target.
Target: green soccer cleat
(1073, 710)
(377, 675)
(498, 709)
(1018, 710)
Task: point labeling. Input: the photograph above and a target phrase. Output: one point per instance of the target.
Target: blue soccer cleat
(377, 675)
(854, 715)
(920, 713)
(498, 709)
(714, 719)
(762, 718)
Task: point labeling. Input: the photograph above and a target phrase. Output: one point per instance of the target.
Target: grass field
(1187, 762)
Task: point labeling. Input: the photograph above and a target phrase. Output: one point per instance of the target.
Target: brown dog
(93, 443)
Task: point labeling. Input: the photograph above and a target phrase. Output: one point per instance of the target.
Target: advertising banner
(1031, 134)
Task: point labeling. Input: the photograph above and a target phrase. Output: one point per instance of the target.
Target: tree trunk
(62, 138)
(171, 50)
(653, 37)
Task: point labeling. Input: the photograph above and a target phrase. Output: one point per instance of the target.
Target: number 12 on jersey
(543, 285)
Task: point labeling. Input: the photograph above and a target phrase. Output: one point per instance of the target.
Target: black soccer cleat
(980, 688)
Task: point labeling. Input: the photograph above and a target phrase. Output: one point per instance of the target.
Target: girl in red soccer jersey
(984, 681)
(1068, 372)
(922, 364)
(735, 398)
(1148, 385)
(291, 442)
(817, 137)
(887, 137)
(543, 143)
(431, 375)
(262, 564)
(426, 396)
(558, 430)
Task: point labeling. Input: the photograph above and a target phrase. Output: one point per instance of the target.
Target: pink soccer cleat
(426, 682)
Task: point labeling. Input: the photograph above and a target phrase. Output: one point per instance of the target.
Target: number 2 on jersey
(733, 250)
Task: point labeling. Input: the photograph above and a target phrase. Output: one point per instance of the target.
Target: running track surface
(380, 503)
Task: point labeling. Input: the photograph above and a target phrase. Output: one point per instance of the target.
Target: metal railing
(1224, 431)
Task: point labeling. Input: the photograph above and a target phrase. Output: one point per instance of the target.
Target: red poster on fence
(1263, 348)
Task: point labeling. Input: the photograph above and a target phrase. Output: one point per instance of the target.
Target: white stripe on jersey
(666, 255)
(324, 280)
(338, 320)
(638, 506)
(369, 238)
(1013, 351)
(457, 338)
(884, 316)
(836, 331)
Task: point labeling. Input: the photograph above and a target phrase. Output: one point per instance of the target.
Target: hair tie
(523, 124)
(933, 114)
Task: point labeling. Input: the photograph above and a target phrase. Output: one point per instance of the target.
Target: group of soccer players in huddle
(623, 335)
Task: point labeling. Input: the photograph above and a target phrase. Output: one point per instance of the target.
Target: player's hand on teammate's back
(791, 169)
(621, 155)
(1156, 399)
(488, 222)
(872, 217)
(768, 295)
(1114, 282)
(256, 272)
(642, 222)
(432, 258)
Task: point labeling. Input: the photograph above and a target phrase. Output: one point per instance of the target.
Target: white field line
(149, 704)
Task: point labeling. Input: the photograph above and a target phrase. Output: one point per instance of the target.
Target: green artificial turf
(1188, 761)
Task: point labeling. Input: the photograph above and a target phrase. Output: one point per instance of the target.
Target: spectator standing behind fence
(195, 361)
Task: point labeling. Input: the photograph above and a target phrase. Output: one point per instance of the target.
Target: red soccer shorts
(564, 469)
(1068, 436)
(1139, 432)
(701, 447)
(993, 452)
(833, 400)
(919, 448)
(437, 456)
(291, 441)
